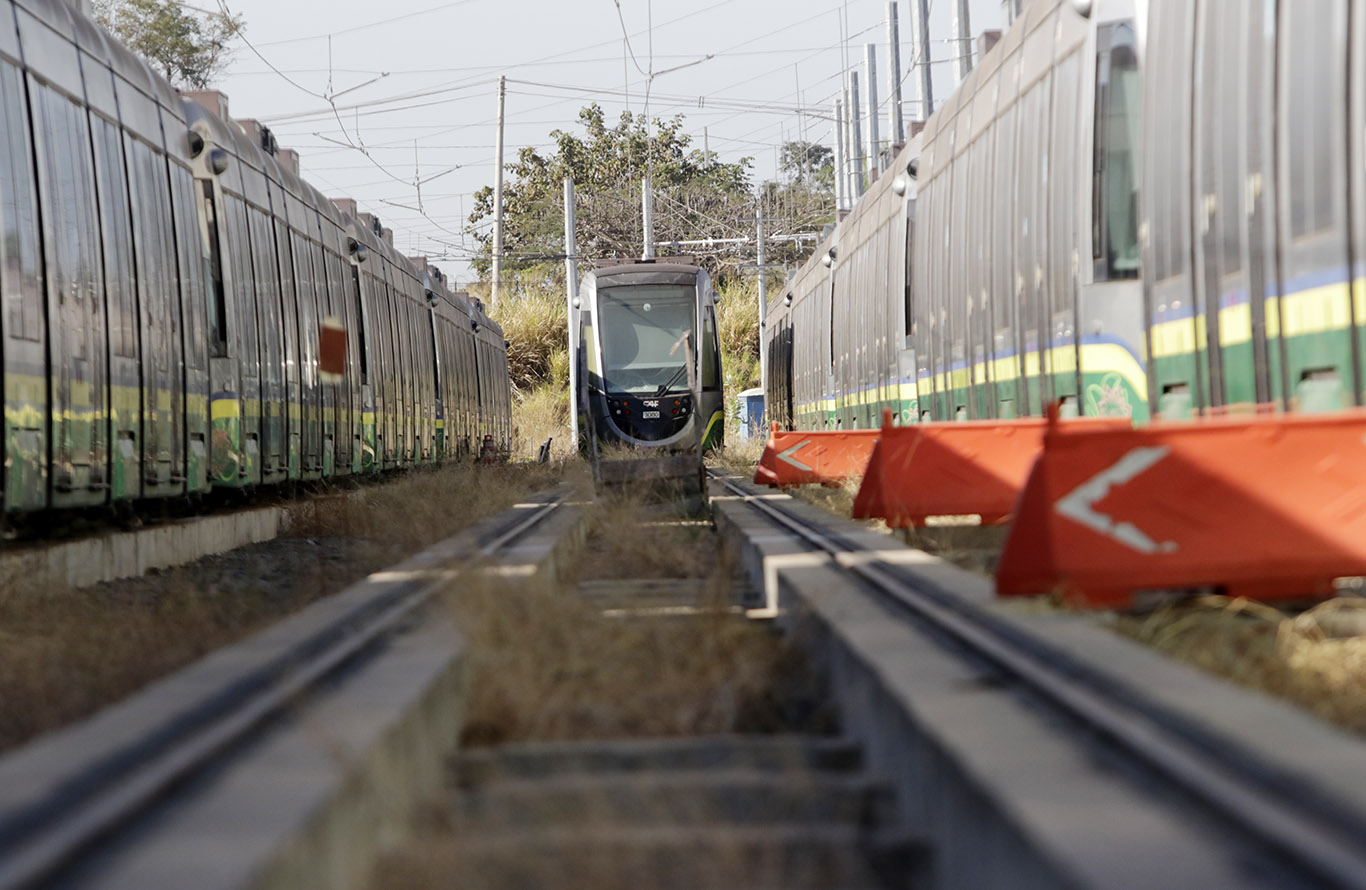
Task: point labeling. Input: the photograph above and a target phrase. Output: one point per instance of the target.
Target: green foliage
(737, 318)
(696, 196)
(802, 202)
(190, 50)
(809, 164)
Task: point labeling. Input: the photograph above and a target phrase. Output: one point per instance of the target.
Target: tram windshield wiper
(664, 387)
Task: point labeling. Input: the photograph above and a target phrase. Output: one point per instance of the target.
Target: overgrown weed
(1315, 659)
(65, 653)
(552, 665)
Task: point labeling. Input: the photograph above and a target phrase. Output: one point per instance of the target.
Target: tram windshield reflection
(642, 330)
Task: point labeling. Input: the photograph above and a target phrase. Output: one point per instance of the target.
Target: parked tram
(164, 276)
(1129, 208)
(647, 357)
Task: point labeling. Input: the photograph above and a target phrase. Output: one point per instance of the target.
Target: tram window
(193, 262)
(18, 214)
(647, 337)
(711, 361)
(360, 326)
(1114, 195)
(219, 317)
(910, 275)
(118, 239)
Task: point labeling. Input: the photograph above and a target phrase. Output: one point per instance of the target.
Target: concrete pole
(498, 198)
(897, 130)
(962, 42)
(571, 275)
(874, 159)
(859, 161)
(647, 217)
(920, 56)
(763, 301)
(841, 183)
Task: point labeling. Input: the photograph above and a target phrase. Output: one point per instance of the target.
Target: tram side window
(18, 214)
(218, 317)
(360, 326)
(711, 359)
(1114, 192)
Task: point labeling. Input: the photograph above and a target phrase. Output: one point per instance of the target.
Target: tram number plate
(649, 415)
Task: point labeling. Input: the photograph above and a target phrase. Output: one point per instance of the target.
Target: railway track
(1305, 829)
(99, 782)
(977, 744)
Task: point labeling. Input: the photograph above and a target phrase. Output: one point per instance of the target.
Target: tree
(808, 163)
(696, 196)
(802, 202)
(190, 50)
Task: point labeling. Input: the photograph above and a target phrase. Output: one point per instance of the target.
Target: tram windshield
(643, 330)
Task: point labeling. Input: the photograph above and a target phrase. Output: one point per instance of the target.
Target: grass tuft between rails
(66, 653)
(550, 665)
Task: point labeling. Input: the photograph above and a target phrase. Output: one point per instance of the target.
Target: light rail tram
(646, 357)
(1133, 208)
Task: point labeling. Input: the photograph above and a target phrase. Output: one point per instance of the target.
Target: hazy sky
(431, 116)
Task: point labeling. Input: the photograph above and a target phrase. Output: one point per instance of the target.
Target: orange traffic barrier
(966, 472)
(827, 457)
(1262, 506)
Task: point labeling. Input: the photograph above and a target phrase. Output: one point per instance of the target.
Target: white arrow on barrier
(1079, 504)
(787, 455)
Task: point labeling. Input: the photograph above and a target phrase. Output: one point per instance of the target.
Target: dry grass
(737, 321)
(535, 324)
(1315, 659)
(65, 653)
(539, 415)
(553, 666)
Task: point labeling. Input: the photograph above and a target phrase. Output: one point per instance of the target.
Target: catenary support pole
(962, 41)
(498, 198)
(763, 300)
(874, 159)
(897, 129)
(841, 182)
(920, 57)
(859, 160)
(647, 217)
(571, 276)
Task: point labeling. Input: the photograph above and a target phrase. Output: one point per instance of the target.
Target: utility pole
(856, 167)
(920, 55)
(898, 131)
(841, 184)
(571, 276)
(870, 68)
(647, 217)
(962, 41)
(763, 300)
(498, 198)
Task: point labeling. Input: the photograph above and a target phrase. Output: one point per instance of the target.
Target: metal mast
(857, 162)
(897, 131)
(962, 41)
(841, 183)
(874, 158)
(498, 197)
(920, 56)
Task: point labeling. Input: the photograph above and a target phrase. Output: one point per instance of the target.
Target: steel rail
(59, 832)
(1317, 836)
